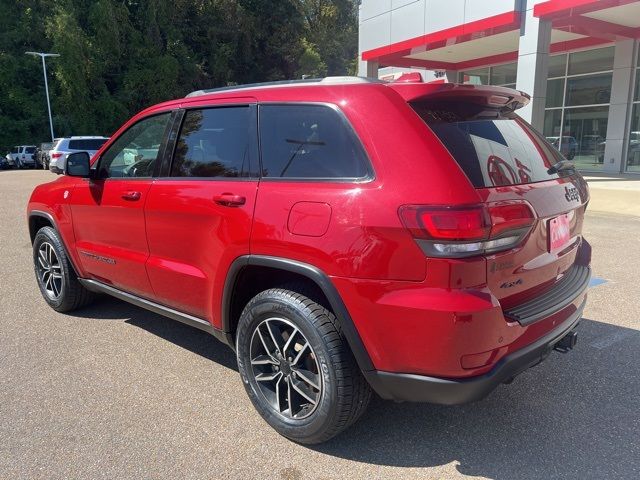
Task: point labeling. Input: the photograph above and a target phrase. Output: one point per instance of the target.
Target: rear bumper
(420, 388)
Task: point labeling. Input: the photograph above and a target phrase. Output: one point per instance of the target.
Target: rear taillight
(56, 155)
(464, 231)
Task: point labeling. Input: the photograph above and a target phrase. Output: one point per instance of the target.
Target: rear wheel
(56, 278)
(297, 368)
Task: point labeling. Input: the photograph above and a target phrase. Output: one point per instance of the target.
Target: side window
(213, 142)
(135, 152)
(308, 141)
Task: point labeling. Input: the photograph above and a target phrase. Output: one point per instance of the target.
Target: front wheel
(56, 278)
(297, 368)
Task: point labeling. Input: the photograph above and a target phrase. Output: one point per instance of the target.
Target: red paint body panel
(310, 219)
(110, 237)
(432, 316)
(193, 240)
(412, 328)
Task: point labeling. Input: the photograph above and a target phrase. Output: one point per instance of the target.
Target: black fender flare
(49, 217)
(314, 274)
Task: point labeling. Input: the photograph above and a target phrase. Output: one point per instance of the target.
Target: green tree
(120, 56)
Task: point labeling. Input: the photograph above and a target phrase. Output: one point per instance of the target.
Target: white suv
(59, 153)
(22, 156)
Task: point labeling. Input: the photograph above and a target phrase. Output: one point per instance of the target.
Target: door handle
(229, 200)
(131, 196)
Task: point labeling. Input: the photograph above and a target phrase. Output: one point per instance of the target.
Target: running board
(199, 323)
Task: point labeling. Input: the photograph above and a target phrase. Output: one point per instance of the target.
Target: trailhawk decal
(100, 258)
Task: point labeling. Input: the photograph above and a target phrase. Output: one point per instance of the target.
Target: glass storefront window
(557, 65)
(590, 90)
(632, 163)
(586, 128)
(504, 74)
(589, 61)
(633, 151)
(555, 92)
(475, 77)
(552, 120)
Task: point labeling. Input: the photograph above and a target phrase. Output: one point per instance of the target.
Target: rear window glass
(309, 141)
(86, 144)
(493, 150)
(30, 149)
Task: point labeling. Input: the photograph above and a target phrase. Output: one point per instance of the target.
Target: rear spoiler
(502, 98)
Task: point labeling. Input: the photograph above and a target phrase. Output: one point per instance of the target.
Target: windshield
(491, 148)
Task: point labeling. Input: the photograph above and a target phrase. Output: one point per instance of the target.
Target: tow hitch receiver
(567, 342)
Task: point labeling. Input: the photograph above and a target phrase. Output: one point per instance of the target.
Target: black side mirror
(78, 165)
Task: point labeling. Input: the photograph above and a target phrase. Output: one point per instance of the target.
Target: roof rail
(284, 83)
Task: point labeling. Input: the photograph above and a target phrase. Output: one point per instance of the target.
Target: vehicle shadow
(184, 336)
(573, 416)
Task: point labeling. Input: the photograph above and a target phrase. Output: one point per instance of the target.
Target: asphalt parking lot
(113, 391)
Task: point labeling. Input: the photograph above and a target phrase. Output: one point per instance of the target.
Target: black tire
(60, 288)
(344, 393)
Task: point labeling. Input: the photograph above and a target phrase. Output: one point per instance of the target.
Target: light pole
(46, 85)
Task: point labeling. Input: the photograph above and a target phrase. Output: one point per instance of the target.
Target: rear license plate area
(559, 232)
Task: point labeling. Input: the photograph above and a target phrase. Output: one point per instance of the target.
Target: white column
(533, 65)
(621, 92)
(372, 69)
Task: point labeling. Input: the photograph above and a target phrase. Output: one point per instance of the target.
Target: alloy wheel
(285, 368)
(50, 271)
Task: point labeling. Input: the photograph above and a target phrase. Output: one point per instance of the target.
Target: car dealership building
(578, 59)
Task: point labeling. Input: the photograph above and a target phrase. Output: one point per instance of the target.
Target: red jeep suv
(342, 235)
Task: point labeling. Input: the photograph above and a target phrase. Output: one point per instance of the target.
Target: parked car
(341, 235)
(8, 158)
(64, 146)
(12, 156)
(42, 153)
(568, 148)
(21, 156)
(634, 149)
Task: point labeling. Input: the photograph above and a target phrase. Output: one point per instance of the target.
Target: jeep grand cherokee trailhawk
(342, 235)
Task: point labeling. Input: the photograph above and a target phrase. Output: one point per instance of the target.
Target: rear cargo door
(506, 160)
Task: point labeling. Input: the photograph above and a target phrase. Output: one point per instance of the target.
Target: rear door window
(492, 149)
(309, 142)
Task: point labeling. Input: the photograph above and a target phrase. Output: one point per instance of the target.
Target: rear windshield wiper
(562, 166)
(300, 143)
